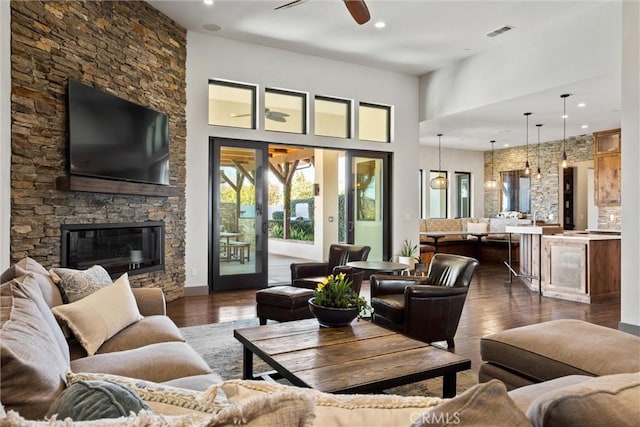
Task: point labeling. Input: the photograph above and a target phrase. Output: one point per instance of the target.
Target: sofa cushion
(476, 227)
(390, 307)
(95, 400)
(337, 410)
(99, 316)
(50, 291)
(556, 348)
(148, 330)
(77, 284)
(610, 400)
(485, 404)
(154, 362)
(33, 366)
(524, 396)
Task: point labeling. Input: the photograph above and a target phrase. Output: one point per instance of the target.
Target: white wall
(630, 309)
(5, 133)
(573, 51)
(457, 161)
(211, 57)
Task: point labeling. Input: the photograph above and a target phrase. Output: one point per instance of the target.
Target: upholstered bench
(283, 303)
(544, 351)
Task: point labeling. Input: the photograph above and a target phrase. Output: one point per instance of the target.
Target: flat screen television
(112, 138)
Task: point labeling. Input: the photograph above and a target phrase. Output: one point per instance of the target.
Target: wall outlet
(194, 272)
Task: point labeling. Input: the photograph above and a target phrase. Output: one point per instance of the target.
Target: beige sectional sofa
(36, 354)
(149, 359)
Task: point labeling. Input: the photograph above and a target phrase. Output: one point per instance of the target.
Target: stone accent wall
(544, 193)
(125, 48)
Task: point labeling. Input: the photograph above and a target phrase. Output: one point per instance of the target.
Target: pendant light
(527, 169)
(491, 184)
(440, 182)
(564, 97)
(538, 174)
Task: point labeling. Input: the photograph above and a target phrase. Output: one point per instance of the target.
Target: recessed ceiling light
(380, 24)
(208, 2)
(582, 105)
(506, 145)
(584, 126)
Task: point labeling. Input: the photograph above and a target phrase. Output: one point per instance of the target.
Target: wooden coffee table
(360, 358)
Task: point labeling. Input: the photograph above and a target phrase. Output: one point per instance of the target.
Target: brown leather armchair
(309, 274)
(425, 308)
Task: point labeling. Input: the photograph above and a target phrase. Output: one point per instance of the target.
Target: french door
(368, 202)
(237, 222)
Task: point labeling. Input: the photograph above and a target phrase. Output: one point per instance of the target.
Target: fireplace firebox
(132, 248)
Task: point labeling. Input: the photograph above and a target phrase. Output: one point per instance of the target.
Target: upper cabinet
(606, 156)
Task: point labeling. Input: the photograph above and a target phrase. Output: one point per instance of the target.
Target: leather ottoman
(283, 303)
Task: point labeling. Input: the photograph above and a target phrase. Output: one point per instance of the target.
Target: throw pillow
(163, 399)
(476, 227)
(77, 284)
(50, 291)
(339, 410)
(99, 316)
(94, 400)
(610, 400)
(486, 404)
(33, 366)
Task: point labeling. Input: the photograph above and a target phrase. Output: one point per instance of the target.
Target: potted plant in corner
(408, 253)
(335, 302)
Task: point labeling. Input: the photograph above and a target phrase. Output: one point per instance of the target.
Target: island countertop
(582, 237)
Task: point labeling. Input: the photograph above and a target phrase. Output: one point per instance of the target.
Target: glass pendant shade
(440, 182)
(491, 184)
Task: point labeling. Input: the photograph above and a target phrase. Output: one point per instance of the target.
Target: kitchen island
(577, 266)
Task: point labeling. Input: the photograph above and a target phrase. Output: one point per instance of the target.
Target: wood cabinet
(607, 162)
(583, 268)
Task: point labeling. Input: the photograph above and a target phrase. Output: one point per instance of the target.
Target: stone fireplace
(132, 248)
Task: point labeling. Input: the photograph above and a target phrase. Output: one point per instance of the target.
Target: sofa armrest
(430, 291)
(150, 301)
(383, 284)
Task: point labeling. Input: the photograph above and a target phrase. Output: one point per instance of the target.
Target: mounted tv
(112, 138)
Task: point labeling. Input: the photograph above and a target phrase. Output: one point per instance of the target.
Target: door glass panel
(238, 228)
(368, 213)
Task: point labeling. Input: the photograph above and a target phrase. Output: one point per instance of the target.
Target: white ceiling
(422, 36)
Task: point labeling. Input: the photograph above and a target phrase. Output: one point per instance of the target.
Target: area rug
(217, 346)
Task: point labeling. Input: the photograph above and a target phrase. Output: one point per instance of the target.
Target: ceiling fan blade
(358, 10)
(291, 4)
(277, 119)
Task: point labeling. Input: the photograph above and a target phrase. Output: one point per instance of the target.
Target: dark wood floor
(492, 305)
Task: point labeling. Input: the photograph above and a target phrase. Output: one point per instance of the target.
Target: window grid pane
(332, 117)
(374, 123)
(232, 104)
(437, 198)
(285, 111)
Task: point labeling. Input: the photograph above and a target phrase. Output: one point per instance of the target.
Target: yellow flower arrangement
(335, 291)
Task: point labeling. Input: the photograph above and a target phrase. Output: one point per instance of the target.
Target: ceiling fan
(276, 116)
(357, 8)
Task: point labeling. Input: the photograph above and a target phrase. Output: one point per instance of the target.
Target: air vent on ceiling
(500, 31)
